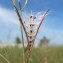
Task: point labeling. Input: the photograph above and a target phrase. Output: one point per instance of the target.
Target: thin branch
(4, 58)
(24, 5)
(22, 33)
(22, 25)
(44, 15)
(21, 21)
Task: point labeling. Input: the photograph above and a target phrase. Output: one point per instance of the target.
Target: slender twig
(4, 58)
(22, 44)
(24, 5)
(22, 25)
(44, 15)
(22, 38)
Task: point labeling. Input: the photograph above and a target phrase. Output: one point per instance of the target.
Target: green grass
(38, 55)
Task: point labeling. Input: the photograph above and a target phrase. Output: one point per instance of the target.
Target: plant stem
(23, 44)
(4, 58)
(22, 36)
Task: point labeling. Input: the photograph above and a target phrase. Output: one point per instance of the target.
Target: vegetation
(39, 55)
(18, 41)
(44, 41)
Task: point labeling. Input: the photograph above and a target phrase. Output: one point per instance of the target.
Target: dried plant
(21, 22)
(30, 43)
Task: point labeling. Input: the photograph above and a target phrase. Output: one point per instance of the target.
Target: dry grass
(39, 55)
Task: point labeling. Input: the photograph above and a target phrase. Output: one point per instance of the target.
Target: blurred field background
(39, 55)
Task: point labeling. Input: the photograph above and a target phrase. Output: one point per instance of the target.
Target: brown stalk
(21, 22)
(30, 45)
(44, 15)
